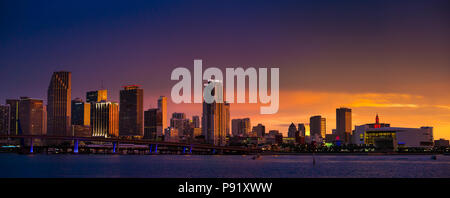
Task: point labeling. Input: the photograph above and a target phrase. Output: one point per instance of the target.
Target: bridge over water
(152, 146)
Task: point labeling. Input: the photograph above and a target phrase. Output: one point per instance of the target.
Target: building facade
(152, 122)
(14, 116)
(400, 137)
(241, 127)
(259, 130)
(441, 143)
(131, 114)
(81, 118)
(97, 96)
(179, 122)
(59, 104)
(81, 112)
(196, 121)
(31, 116)
(162, 107)
(318, 128)
(5, 115)
(105, 119)
(292, 130)
(344, 124)
(227, 118)
(302, 129)
(214, 119)
(171, 135)
(359, 134)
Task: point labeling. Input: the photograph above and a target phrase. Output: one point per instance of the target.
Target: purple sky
(346, 47)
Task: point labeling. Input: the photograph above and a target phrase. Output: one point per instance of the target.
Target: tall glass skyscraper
(214, 120)
(59, 104)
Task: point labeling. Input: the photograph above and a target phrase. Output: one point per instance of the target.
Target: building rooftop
(131, 87)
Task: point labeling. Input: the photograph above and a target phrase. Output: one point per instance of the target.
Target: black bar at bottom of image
(231, 186)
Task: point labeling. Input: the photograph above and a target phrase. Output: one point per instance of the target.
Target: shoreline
(262, 154)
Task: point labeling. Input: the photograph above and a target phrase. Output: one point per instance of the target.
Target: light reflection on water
(179, 166)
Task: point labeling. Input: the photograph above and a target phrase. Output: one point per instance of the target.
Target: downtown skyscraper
(81, 117)
(81, 112)
(318, 127)
(97, 96)
(162, 107)
(214, 119)
(131, 113)
(344, 124)
(105, 119)
(241, 127)
(302, 129)
(155, 120)
(152, 122)
(59, 104)
(31, 114)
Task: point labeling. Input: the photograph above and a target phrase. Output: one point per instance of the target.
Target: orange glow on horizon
(400, 110)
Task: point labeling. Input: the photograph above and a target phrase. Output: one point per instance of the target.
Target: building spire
(377, 122)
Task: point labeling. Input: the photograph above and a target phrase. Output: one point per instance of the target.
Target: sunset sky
(385, 57)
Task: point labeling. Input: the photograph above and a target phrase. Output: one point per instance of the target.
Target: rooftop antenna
(102, 85)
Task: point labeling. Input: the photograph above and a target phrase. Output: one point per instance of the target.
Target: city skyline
(374, 61)
(285, 131)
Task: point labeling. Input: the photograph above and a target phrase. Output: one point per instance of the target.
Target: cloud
(442, 106)
(373, 103)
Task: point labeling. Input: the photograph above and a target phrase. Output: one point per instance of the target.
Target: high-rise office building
(4, 119)
(97, 96)
(344, 124)
(292, 130)
(214, 119)
(131, 114)
(259, 130)
(105, 119)
(179, 122)
(241, 127)
(162, 107)
(81, 118)
(152, 122)
(317, 127)
(59, 104)
(227, 118)
(30, 116)
(196, 121)
(14, 116)
(302, 129)
(44, 119)
(81, 112)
